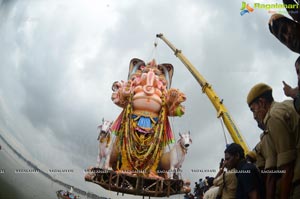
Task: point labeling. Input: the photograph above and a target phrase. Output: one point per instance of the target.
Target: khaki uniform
(228, 189)
(280, 141)
(268, 151)
(211, 193)
(260, 157)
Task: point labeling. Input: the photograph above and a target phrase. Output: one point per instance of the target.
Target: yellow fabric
(257, 91)
(145, 113)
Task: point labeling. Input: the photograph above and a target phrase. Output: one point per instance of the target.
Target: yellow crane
(215, 100)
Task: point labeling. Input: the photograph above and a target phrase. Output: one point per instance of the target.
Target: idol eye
(157, 72)
(145, 70)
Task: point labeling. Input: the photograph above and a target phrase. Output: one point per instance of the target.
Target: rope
(154, 54)
(226, 142)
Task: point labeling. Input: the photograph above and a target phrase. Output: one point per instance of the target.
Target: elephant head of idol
(150, 76)
(149, 82)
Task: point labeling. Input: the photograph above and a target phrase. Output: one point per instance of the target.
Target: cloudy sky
(59, 59)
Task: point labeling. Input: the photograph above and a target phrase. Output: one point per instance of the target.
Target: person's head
(259, 100)
(210, 181)
(285, 30)
(234, 153)
(297, 66)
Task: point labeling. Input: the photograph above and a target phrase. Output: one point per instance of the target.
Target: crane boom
(215, 100)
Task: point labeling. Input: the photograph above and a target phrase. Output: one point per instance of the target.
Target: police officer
(280, 144)
(249, 182)
(260, 157)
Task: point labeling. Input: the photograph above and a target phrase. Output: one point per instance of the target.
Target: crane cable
(154, 54)
(222, 124)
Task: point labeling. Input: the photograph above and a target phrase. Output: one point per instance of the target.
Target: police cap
(256, 91)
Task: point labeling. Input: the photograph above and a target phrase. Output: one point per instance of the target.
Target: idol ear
(180, 134)
(168, 71)
(134, 65)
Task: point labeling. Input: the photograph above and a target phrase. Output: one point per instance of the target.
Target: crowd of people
(272, 169)
(237, 176)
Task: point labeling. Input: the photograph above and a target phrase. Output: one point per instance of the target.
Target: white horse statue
(105, 139)
(173, 159)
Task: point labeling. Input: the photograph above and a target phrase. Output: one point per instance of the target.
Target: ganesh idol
(142, 129)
